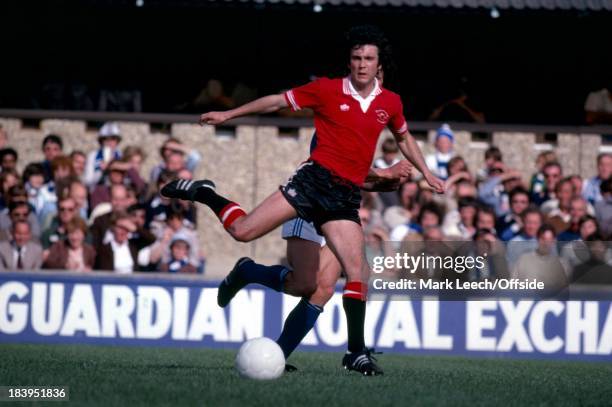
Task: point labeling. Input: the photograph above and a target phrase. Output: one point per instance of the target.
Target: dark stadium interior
(514, 67)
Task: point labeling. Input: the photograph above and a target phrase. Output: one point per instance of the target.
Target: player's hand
(401, 170)
(435, 183)
(213, 118)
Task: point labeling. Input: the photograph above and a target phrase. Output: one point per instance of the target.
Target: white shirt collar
(349, 89)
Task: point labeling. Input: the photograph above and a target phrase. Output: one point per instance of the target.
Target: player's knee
(241, 232)
(306, 289)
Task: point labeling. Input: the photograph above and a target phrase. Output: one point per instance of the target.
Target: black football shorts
(320, 196)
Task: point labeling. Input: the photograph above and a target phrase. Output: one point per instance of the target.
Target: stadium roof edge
(581, 5)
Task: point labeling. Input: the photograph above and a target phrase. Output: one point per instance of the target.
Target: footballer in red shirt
(350, 113)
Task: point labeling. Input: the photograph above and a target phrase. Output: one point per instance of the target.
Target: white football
(260, 359)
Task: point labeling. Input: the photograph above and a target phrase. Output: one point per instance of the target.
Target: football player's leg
(345, 238)
(304, 315)
(273, 211)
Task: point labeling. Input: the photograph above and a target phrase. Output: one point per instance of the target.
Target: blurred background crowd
(97, 210)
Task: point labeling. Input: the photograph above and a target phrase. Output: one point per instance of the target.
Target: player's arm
(266, 104)
(387, 179)
(412, 152)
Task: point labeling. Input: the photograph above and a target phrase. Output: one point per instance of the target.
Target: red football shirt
(346, 135)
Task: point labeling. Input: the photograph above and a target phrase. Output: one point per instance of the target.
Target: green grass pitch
(117, 376)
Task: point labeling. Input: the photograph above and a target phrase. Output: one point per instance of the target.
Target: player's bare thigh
(269, 214)
(345, 239)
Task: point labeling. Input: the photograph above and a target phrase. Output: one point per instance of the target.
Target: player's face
(364, 65)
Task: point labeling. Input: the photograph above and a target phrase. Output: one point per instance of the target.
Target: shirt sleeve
(398, 124)
(304, 96)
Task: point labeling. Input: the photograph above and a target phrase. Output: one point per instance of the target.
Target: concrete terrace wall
(252, 160)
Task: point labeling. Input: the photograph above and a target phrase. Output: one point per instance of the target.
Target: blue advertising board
(166, 311)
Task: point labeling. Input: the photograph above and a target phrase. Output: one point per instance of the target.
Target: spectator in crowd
(109, 138)
(407, 207)
(597, 269)
(79, 161)
(52, 146)
(603, 207)
(120, 201)
(33, 180)
(485, 218)
(495, 190)
(438, 161)
(552, 175)
(8, 159)
(571, 230)
(492, 156)
(78, 191)
(461, 223)
(526, 240)
(71, 252)
(389, 158)
(120, 252)
(46, 206)
(598, 106)
(175, 223)
(20, 252)
(487, 245)
(175, 156)
(577, 252)
(557, 210)
(117, 172)
(591, 189)
(18, 209)
(390, 154)
(537, 184)
(578, 184)
(8, 179)
(509, 225)
(458, 174)
(178, 262)
(430, 215)
(57, 230)
(543, 264)
(135, 156)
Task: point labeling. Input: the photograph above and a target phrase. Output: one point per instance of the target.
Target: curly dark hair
(361, 35)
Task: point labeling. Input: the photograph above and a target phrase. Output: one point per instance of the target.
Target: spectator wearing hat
(71, 252)
(109, 138)
(178, 262)
(52, 146)
(438, 161)
(20, 252)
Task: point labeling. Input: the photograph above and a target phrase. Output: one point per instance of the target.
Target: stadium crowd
(84, 211)
(96, 210)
